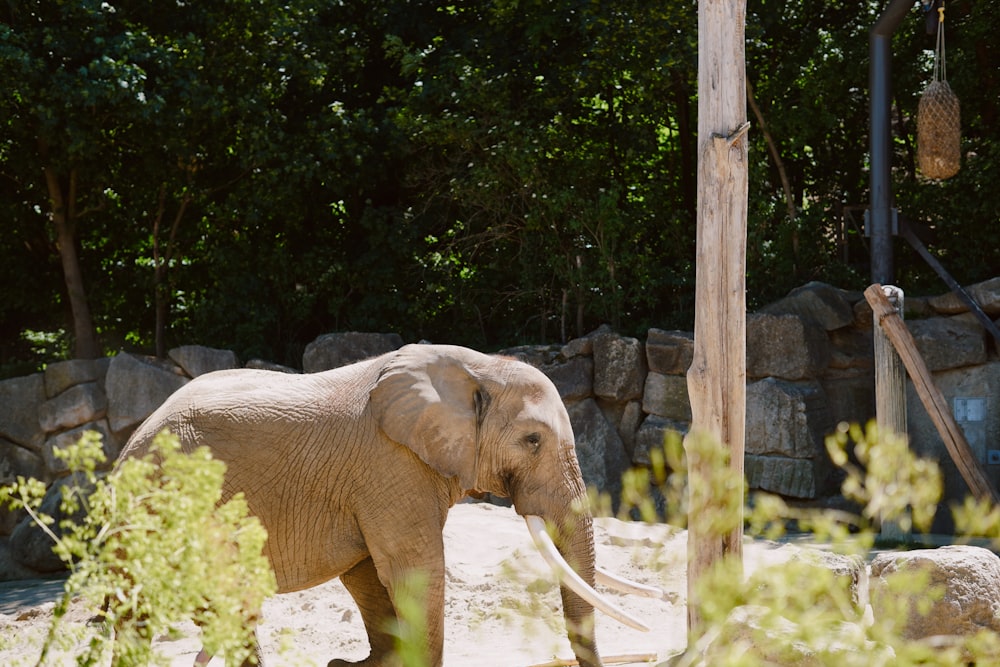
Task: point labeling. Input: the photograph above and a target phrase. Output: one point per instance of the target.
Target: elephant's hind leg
(257, 659)
(377, 612)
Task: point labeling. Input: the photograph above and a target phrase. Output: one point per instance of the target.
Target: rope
(940, 68)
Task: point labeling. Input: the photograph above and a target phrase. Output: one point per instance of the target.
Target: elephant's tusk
(536, 526)
(624, 585)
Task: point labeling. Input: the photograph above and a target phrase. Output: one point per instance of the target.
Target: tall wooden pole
(717, 376)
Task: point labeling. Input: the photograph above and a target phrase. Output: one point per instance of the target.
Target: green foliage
(468, 173)
(889, 482)
(154, 547)
(803, 611)
(410, 629)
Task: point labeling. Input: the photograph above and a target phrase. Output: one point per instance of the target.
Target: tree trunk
(162, 256)
(772, 148)
(786, 185)
(717, 376)
(63, 217)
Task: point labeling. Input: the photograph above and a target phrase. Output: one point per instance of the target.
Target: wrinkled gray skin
(352, 471)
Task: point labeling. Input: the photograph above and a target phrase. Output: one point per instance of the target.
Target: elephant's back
(233, 409)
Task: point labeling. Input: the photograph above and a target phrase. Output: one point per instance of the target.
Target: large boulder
(264, 365)
(197, 359)
(967, 578)
(669, 352)
(10, 569)
(850, 398)
(851, 351)
(136, 386)
(794, 478)
(584, 345)
(628, 418)
(949, 342)
(850, 571)
(785, 430)
(578, 347)
(667, 396)
(986, 295)
(109, 445)
(786, 419)
(619, 367)
(773, 638)
(15, 461)
(61, 375)
(78, 405)
(818, 302)
(574, 378)
(31, 547)
(538, 356)
(20, 400)
(334, 350)
(599, 448)
(652, 435)
(785, 346)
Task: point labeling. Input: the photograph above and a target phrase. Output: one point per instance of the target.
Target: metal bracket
(893, 221)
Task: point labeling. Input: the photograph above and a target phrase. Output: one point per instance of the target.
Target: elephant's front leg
(377, 612)
(417, 592)
(418, 595)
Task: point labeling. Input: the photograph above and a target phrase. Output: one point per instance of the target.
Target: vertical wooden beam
(890, 390)
(717, 376)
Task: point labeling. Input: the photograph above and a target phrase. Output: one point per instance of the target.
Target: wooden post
(931, 397)
(890, 390)
(717, 376)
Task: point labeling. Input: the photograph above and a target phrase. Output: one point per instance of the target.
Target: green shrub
(154, 547)
(802, 612)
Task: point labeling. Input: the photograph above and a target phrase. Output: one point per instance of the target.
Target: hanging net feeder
(938, 119)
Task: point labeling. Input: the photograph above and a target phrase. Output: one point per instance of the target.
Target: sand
(502, 606)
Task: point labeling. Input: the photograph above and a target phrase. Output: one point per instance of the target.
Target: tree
(543, 154)
(252, 174)
(137, 121)
(74, 78)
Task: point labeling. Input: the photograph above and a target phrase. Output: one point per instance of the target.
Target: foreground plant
(152, 546)
(811, 610)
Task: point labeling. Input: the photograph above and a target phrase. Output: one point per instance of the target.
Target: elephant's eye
(532, 441)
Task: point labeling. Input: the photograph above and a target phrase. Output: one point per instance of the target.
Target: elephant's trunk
(577, 548)
(576, 545)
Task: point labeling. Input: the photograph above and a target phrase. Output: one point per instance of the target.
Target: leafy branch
(155, 545)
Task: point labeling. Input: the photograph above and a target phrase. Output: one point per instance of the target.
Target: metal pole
(880, 140)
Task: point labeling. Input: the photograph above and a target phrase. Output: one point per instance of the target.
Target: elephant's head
(497, 425)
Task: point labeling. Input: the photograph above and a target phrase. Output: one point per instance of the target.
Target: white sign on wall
(970, 413)
(970, 409)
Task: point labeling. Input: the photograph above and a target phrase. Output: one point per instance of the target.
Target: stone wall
(809, 366)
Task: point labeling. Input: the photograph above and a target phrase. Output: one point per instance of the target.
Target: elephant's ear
(427, 400)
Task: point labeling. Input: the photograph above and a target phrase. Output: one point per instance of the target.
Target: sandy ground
(502, 606)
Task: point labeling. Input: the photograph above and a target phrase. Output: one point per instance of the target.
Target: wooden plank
(931, 397)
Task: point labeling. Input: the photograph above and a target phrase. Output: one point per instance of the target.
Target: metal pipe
(880, 140)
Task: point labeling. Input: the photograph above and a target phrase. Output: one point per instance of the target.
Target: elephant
(327, 460)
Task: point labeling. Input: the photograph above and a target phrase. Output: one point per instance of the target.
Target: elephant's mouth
(568, 576)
